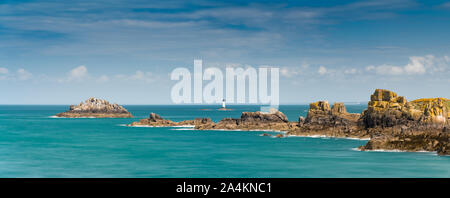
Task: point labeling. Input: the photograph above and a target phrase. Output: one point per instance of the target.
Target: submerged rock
(96, 108)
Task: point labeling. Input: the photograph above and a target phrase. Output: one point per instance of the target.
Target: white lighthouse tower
(223, 104)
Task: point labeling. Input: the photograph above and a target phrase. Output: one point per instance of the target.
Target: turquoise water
(32, 144)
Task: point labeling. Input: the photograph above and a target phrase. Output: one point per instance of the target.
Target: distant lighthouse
(223, 104)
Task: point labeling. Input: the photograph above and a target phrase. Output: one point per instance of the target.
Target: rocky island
(273, 120)
(96, 108)
(390, 122)
(156, 120)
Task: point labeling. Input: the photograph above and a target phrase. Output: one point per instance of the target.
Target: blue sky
(62, 52)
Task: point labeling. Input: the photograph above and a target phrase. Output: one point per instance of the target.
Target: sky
(63, 52)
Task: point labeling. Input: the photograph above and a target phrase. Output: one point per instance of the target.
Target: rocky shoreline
(390, 122)
(95, 108)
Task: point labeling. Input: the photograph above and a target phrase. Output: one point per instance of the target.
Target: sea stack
(96, 108)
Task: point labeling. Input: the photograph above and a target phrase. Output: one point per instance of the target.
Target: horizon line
(301, 103)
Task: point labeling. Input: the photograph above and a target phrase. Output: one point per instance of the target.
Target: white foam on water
(395, 151)
(181, 126)
(328, 137)
(185, 129)
(71, 118)
(251, 130)
(185, 126)
(54, 117)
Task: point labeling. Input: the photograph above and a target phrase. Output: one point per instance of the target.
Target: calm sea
(33, 144)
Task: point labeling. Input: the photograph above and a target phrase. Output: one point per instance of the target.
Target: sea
(33, 143)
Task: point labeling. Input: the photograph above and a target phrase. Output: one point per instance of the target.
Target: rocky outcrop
(395, 123)
(334, 121)
(272, 120)
(386, 109)
(156, 120)
(425, 140)
(390, 121)
(96, 108)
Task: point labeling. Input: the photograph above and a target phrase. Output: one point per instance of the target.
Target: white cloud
(138, 76)
(350, 71)
(294, 71)
(385, 70)
(289, 72)
(3, 70)
(417, 65)
(322, 70)
(76, 74)
(143, 76)
(23, 74)
(103, 78)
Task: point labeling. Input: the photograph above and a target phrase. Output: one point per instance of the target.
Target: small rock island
(96, 108)
(156, 120)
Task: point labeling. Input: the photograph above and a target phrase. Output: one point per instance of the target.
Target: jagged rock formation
(157, 121)
(386, 109)
(390, 121)
(425, 140)
(153, 120)
(96, 108)
(334, 121)
(395, 123)
(273, 120)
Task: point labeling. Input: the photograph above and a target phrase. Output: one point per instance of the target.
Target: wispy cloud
(417, 65)
(23, 74)
(77, 74)
(322, 70)
(4, 70)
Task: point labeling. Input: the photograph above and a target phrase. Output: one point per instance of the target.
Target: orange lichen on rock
(387, 109)
(435, 110)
